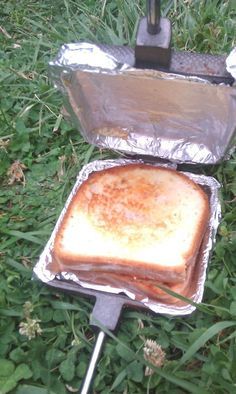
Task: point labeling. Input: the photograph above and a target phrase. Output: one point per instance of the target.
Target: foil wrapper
(183, 119)
(209, 184)
(231, 63)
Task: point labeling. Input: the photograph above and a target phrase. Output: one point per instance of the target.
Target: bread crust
(141, 288)
(63, 260)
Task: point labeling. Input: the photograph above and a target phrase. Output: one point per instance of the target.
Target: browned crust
(174, 274)
(144, 270)
(141, 288)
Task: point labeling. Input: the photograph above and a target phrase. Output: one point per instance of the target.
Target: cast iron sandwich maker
(152, 51)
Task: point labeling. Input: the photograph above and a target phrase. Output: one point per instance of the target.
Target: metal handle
(153, 16)
(93, 362)
(106, 313)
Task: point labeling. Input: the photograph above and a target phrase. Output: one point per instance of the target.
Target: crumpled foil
(231, 63)
(147, 112)
(209, 184)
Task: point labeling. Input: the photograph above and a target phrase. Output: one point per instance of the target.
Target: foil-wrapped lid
(147, 112)
(231, 63)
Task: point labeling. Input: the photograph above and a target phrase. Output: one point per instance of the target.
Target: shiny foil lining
(209, 184)
(147, 112)
(231, 63)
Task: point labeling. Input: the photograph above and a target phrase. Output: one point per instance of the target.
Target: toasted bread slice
(133, 219)
(142, 288)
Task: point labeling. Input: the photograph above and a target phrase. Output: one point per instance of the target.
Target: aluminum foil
(210, 186)
(231, 63)
(147, 112)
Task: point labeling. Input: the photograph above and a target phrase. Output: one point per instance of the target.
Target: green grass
(201, 348)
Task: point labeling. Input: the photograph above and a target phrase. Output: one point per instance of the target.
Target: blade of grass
(88, 154)
(21, 235)
(66, 306)
(10, 312)
(119, 379)
(207, 308)
(6, 243)
(18, 267)
(37, 49)
(200, 342)
(42, 27)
